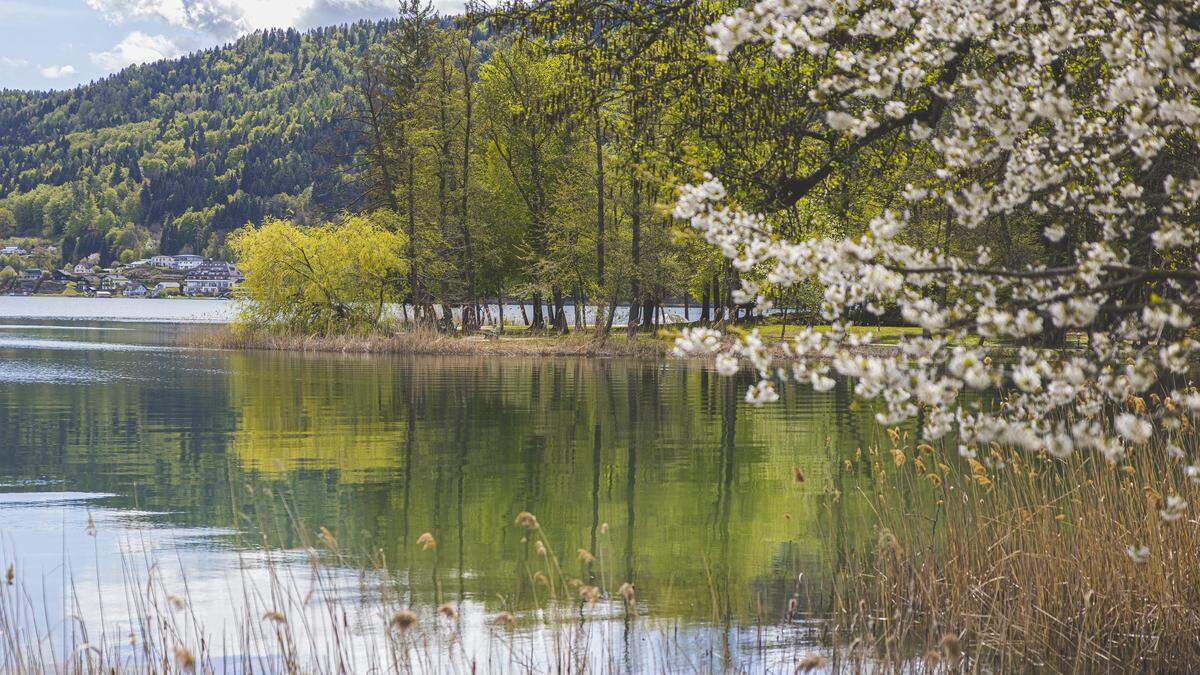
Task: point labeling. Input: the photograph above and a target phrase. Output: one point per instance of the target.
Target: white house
(162, 261)
(211, 278)
(114, 282)
(187, 262)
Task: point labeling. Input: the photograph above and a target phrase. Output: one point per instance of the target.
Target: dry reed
(428, 343)
(1016, 562)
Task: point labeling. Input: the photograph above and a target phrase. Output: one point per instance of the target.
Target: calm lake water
(123, 458)
(210, 310)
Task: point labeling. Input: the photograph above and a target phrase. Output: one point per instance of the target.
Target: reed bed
(428, 343)
(1015, 562)
(656, 345)
(316, 608)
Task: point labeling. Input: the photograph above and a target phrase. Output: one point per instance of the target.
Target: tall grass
(317, 608)
(426, 343)
(1016, 562)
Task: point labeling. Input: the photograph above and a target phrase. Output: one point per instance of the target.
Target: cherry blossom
(1082, 117)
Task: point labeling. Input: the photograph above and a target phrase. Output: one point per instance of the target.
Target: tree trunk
(539, 321)
(500, 307)
(717, 302)
(411, 207)
(635, 291)
(783, 301)
(599, 132)
(578, 302)
(444, 190)
(472, 322)
(559, 322)
(610, 313)
(727, 292)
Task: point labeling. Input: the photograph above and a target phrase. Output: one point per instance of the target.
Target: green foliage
(320, 279)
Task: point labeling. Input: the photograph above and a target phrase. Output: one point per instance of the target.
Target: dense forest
(175, 154)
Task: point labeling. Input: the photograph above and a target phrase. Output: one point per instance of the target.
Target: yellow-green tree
(336, 277)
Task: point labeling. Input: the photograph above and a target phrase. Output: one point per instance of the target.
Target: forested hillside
(182, 151)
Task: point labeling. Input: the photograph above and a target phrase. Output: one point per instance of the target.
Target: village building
(166, 288)
(212, 278)
(187, 262)
(113, 282)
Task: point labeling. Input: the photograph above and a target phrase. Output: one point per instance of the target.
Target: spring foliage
(337, 276)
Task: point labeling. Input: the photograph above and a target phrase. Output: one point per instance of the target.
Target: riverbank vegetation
(514, 341)
(1064, 546)
(321, 279)
(1027, 561)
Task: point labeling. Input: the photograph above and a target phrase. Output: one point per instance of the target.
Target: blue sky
(58, 44)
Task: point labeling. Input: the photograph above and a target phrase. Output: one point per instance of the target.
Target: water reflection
(660, 467)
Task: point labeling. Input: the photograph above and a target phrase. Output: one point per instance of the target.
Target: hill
(175, 154)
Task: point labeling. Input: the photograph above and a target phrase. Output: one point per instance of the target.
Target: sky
(59, 44)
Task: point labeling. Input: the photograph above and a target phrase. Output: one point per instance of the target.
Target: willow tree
(332, 278)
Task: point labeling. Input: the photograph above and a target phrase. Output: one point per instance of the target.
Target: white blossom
(1138, 554)
(1133, 428)
(726, 364)
(1017, 143)
(1173, 509)
(760, 393)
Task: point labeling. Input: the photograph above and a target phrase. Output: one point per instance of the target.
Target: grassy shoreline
(647, 345)
(431, 344)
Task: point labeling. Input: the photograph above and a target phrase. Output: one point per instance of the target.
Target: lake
(211, 310)
(126, 461)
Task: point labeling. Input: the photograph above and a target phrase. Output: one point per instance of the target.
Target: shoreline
(229, 337)
(619, 345)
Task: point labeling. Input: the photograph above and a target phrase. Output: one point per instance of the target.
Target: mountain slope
(183, 150)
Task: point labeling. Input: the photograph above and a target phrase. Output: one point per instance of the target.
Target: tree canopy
(323, 278)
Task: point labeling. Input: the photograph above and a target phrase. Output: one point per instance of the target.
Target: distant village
(159, 276)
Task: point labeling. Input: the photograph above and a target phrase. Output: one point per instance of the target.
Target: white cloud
(137, 47)
(55, 72)
(230, 18)
(8, 62)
